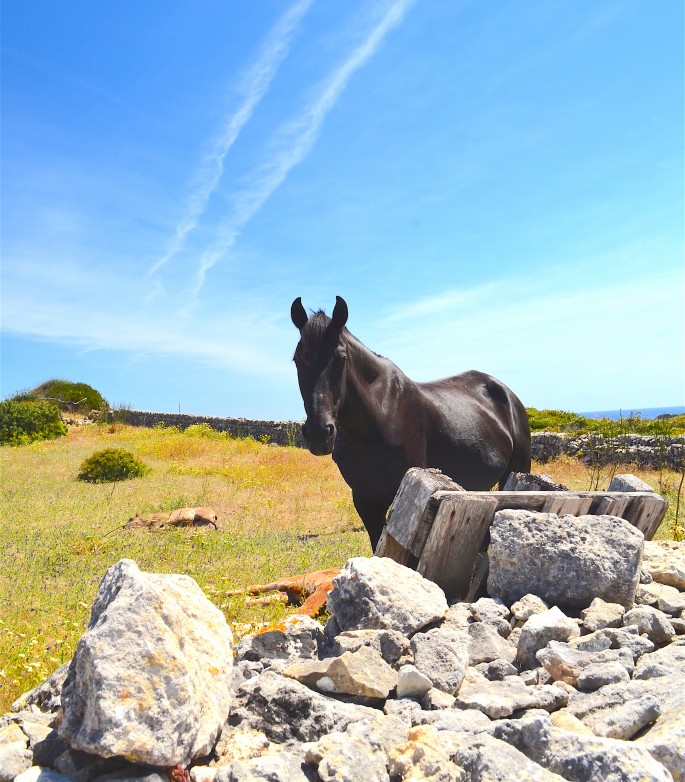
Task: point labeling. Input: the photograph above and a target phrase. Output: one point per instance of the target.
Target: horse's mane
(311, 336)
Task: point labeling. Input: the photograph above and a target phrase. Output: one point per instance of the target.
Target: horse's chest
(372, 469)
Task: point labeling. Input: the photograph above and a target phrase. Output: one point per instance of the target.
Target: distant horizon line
(643, 412)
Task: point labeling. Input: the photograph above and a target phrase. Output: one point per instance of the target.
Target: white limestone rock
(665, 741)
(527, 606)
(442, 655)
(423, 758)
(487, 645)
(297, 637)
(412, 683)
(502, 699)
(564, 560)
(539, 630)
(628, 483)
(377, 593)
(580, 757)
(599, 675)
(650, 622)
(601, 614)
(487, 759)
(664, 560)
(565, 663)
(151, 676)
(289, 712)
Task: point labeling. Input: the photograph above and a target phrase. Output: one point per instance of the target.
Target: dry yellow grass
(282, 512)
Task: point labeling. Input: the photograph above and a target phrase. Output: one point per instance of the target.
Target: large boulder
(151, 677)
(565, 560)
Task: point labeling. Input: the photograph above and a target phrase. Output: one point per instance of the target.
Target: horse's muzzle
(320, 438)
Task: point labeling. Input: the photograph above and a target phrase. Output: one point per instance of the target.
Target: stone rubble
(398, 686)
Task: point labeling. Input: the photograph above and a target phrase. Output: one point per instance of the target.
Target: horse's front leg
(373, 516)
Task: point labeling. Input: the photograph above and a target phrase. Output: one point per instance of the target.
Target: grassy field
(282, 512)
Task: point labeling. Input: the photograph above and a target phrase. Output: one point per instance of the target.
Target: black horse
(378, 423)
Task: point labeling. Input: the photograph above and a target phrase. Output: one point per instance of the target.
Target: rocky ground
(572, 668)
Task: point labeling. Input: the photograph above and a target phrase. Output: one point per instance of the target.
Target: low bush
(68, 396)
(24, 422)
(555, 421)
(204, 430)
(572, 423)
(110, 465)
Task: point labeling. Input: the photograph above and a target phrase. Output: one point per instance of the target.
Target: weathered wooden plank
(477, 587)
(389, 547)
(569, 503)
(646, 512)
(605, 504)
(412, 512)
(456, 537)
(644, 504)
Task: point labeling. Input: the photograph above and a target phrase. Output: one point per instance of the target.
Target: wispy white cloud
(63, 304)
(257, 81)
(296, 141)
(556, 342)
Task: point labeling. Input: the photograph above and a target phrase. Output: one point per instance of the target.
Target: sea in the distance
(643, 412)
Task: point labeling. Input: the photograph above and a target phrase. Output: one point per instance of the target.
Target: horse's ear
(298, 313)
(340, 313)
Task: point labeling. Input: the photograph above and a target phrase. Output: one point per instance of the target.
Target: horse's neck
(371, 383)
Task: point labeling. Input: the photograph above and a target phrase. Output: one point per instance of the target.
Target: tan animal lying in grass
(312, 588)
(182, 517)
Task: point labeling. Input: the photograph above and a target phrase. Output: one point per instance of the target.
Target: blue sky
(496, 186)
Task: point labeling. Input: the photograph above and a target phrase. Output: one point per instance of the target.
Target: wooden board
(646, 511)
(389, 547)
(568, 503)
(442, 530)
(613, 504)
(413, 508)
(478, 585)
(456, 537)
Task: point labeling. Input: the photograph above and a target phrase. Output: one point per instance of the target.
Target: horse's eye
(340, 353)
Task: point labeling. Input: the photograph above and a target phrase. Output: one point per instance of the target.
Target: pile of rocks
(572, 668)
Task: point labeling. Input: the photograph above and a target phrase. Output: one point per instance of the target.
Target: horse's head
(320, 360)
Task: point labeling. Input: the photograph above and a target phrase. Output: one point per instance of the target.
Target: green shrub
(112, 464)
(23, 422)
(633, 423)
(204, 430)
(70, 397)
(555, 421)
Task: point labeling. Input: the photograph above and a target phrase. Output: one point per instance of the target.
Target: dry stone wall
(651, 451)
(278, 432)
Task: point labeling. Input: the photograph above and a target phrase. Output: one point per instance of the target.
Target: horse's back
(479, 428)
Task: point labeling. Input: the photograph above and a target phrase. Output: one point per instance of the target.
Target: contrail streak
(299, 138)
(258, 79)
